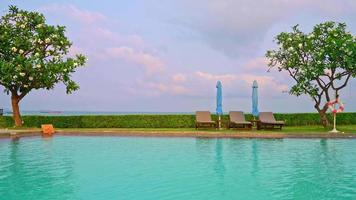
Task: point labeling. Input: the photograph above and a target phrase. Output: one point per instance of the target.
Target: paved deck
(199, 134)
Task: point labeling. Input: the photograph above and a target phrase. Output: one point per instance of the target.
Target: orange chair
(47, 130)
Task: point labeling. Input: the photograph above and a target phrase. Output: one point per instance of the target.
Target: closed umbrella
(219, 111)
(254, 99)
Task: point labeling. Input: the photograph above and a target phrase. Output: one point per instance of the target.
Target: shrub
(159, 121)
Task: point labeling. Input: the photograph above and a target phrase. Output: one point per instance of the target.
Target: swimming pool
(73, 167)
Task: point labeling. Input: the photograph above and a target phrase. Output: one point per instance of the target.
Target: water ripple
(176, 168)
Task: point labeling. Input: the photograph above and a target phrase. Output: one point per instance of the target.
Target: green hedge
(158, 121)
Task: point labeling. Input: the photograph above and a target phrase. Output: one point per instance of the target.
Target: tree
(321, 63)
(33, 55)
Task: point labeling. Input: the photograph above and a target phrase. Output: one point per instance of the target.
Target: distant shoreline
(89, 113)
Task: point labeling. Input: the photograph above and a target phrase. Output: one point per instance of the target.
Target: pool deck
(4, 133)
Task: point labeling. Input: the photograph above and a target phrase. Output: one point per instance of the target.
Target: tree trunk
(15, 99)
(324, 120)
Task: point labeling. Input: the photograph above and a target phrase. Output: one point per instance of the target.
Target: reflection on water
(254, 157)
(219, 164)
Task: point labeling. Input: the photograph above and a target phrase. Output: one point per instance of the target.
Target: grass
(350, 129)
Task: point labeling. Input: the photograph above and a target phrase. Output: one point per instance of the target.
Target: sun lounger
(267, 120)
(237, 120)
(203, 119)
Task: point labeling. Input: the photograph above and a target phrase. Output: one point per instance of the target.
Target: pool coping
(195, 134)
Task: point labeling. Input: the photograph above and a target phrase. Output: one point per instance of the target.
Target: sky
(166, 56)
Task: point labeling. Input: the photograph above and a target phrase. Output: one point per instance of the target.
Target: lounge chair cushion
(238, 117)
(204, 117)
(268, 118)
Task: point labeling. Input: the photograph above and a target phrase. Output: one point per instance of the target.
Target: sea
(76, 113)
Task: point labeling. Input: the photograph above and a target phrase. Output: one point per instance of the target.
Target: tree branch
(343, 85)
(23, 94)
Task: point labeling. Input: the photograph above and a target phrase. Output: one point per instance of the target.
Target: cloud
(100, 40)
(225, 78)
(202, 84)
(237, 27)
(179, 78)
(257, 64)
(244, 81)
(106, 37)
(74, 13)
(151, 63)
(152, 88)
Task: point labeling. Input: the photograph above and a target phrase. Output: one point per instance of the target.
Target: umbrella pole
(219, 122)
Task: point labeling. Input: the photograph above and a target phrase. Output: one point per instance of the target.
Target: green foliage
(33, 54)
(159, 121)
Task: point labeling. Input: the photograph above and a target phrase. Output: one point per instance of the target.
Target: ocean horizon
(7, 112)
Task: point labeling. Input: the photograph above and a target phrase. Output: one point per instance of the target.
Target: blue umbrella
(219, 98)
(254, 99)
(219, 111)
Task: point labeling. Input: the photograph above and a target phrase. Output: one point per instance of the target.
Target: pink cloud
(81, 15)
(269, 83)
(151, 64)
(225, 78)
(94, 26)
(179, 78)
(151, 88)
(259, 63)
(106, 35)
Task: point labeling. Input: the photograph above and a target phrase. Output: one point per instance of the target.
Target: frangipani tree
(321, 62)
(33, 55)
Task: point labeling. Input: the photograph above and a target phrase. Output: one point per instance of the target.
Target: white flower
(14, 77)
(350, 53)
(38, 66)
(290, 49)
(54, 36)
(318, 62)
(21, 51)
(37, 54)
(22, 74)
(289, 39)
(300, 45)
(39, 25)
(311, 36)
(14, 49)
(47, 40)
(30, 78)
(26, 86)
(22, 26)
(75, 64)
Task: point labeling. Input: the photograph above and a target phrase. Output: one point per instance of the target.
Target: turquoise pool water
(85, 168)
